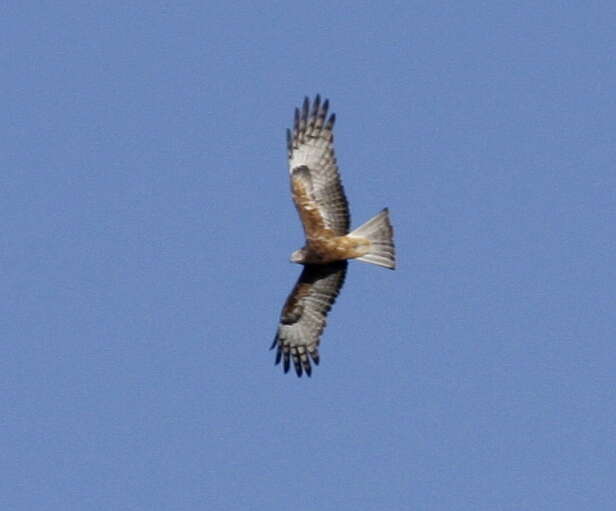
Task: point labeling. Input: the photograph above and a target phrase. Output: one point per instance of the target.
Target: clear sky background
(147, 227)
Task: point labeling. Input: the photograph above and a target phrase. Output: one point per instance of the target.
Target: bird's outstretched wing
(315, 181)
(304, 314)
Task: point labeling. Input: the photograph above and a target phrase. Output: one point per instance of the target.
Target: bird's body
(324, 212)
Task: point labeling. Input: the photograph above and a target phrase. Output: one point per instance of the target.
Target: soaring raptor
(324, 212)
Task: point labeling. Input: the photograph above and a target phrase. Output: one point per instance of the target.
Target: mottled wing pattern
(311, 148)
(304, 314)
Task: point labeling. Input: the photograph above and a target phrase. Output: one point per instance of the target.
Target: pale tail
(379, 232)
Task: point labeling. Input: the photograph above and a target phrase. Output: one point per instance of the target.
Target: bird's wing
(304, 314)
(315, 181)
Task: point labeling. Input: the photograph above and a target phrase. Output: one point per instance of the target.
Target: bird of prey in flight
(324, 212)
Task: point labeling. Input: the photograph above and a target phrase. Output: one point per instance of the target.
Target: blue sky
(148, 225)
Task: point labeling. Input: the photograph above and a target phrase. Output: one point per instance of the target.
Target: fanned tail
(380, 233)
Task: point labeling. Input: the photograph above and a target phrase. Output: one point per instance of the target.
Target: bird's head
(298, 256)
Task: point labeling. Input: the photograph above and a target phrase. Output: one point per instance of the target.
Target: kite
(323, 209)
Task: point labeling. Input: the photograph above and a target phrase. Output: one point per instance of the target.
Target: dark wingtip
(298, 367)
(315, 106)
(286, 363)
